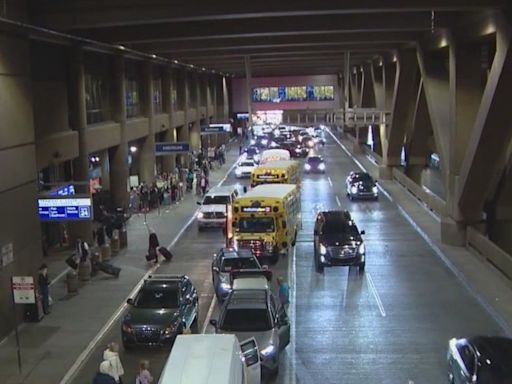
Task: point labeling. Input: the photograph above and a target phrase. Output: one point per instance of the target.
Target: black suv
(337, 241)
(163, 307)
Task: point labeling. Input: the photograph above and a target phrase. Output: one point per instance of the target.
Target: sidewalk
(49, 348)
(490, 287)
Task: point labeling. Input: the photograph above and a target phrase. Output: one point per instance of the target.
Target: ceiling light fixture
(153, 56)
(121, 47)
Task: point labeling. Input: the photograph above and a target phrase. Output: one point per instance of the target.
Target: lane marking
(375, 294)
(329, 180)
(338, 201)
(459, 275)
(83, 357)
(208, 315)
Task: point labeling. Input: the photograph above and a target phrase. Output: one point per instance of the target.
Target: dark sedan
(360, 185)
(164, 306)
(295, 149)
(227, 261)
(480, 360)
(314, 164)
(337, 241)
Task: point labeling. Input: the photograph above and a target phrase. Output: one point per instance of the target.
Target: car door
(282, 322)
(189, 302)
(215, 270)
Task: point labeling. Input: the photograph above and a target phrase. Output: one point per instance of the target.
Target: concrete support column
(119, 155)
(105, 170)
(80, 229)
(214, 99)
(248, 82)
(378, 80)
(195, 131)
(169, 161)
(389, 84)
(225, 99)
(147, 162)
(367, 88)
(346, 88)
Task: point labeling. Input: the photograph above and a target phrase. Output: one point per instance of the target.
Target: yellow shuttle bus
(276, 172)
(266, 219)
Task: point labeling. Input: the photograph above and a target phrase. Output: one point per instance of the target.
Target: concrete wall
(239, 91)
(19, 225)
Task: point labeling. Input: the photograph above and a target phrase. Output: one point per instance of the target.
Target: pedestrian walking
(144, 376)
(103, 376)
(284, 291)
(111, 354)
(153, 247)
(203, 184)
(43, 284)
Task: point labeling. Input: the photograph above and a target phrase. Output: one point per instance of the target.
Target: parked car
(244, 168)
(226, 261)
(360, 185)
(164, 306)
(213, 210)
(256, 313)
(251, 153)
(338, 241)
(480, 360)
(314, 164)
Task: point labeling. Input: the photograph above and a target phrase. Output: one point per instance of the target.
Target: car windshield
(239, 263)
(216, 199)
(334, 226)
(246, 320)
(157, 297)
(252, 151)
(256, 224)
(246, 164)
(315, 160)
(362, 177)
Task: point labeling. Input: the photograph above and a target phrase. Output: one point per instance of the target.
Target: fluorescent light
(121, 47)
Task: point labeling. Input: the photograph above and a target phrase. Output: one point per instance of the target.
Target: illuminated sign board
(170, 148)
(256, 209)
(65, 209)
(65, 190)
(267, 176)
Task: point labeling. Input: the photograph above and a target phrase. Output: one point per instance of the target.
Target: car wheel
(318, 266)
(361, 267)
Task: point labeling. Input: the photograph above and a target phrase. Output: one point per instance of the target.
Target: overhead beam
(76, 14)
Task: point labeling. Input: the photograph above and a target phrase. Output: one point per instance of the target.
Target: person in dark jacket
(153, 245)
(103, 376)
(44, 287)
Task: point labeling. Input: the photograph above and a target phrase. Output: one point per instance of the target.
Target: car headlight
(270, 350)
(362, 249)
(375, 190)
(323, 249)
(169, 330)
(225, 286)
(321, 166)
(353, 189)
(238, 171)
(127, 328)
(307, 167)
(253, 142)
(200, 215)
(264, 141)
(298, 150)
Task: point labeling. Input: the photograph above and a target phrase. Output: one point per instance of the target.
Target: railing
(353, 117)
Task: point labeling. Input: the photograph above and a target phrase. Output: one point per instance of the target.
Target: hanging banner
(162, 149)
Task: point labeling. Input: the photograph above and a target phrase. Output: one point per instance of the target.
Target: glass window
(216, 199)
(246, 320)
(157, 297)
(468, 357)
(239, 263)
(132, 98)
(96, 99)
(256, 224)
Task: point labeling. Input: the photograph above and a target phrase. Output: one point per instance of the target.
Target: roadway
(389, 325)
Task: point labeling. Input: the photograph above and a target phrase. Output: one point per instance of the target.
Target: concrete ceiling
(281, 37)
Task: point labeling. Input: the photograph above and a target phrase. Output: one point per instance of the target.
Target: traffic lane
(391, 324)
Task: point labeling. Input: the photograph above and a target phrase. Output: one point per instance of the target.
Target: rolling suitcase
(71, 262)
(165, 253)
(109, 269)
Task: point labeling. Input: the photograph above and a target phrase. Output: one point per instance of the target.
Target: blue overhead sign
(170, 148)
(215, 128)
(65, 209)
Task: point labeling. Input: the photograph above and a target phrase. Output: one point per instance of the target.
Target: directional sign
(162, 149)
(23, 290)
(62, 209)
(215, 128)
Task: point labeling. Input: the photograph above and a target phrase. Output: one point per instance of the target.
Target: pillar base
(453, 232)
(385, 172)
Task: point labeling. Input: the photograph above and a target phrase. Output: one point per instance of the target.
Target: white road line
(208, 315)
(338, 201)
(329, 180)
(375, 293)
(70, 374)
(347, 151)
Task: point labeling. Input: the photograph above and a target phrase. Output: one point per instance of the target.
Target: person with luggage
(103, 376)
(111, 354)
(144, 376)
(153, 247)
(43, 284)
(204, 184)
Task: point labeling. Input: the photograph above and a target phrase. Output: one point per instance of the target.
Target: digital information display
(256, 209)
(65, 209)
(267, 177)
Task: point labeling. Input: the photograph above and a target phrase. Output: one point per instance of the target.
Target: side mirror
(187, 301)
(215, 269)
(198, 203)
(129, 301)
(362, 232)
(213, 323)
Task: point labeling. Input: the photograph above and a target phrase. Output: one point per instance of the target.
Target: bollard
(123, 238)
(106, 253)
(72, 282)
(84, 270)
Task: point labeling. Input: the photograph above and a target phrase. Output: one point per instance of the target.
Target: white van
(274, 155)
(213, 207)
(212, 359)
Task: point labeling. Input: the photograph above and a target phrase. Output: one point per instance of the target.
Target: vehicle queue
(263, 224)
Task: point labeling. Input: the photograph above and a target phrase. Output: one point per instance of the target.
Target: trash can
(34, 312)
(84, 270)
(106, 253)
(123, 238)
(72, 282)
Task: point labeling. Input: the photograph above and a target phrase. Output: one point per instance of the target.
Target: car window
(256, 224)
(468, 357)
(246, 320)
(332, 226)
(247, 164)
(314, 160)
(216, 199)
(155, 298)
(239, 263)
(362, 177)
